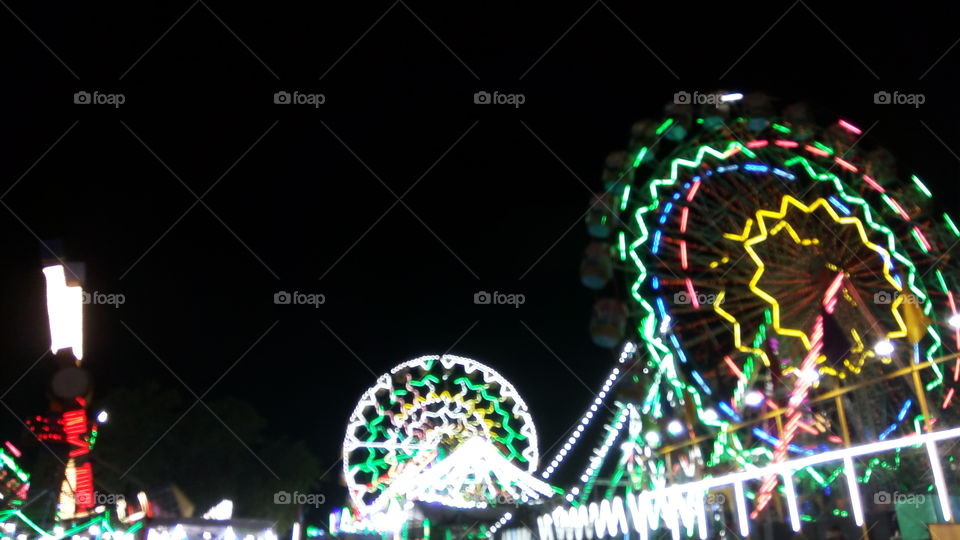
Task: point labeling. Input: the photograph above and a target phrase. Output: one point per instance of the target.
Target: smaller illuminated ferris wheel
(422, 412)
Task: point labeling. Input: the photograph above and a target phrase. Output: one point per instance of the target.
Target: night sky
(199, 198)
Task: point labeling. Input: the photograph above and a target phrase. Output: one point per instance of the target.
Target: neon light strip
(741, 510)
(851, 475)
(674, 502)
(852, 129)
(873, 183)
(791, 493)
(629, 348)
(938, 480)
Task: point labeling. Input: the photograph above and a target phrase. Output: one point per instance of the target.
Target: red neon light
(783, 143)
(684, 214)
(13, 449)
(693, 190)
(83, 493)
(757, 144)
(946, 400)
(873, 183)
(683, 254)
(846, 164)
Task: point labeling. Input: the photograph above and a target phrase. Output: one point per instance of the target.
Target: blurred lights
(883, 348)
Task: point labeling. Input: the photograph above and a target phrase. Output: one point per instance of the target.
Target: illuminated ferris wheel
(767, 261)
(423, 412)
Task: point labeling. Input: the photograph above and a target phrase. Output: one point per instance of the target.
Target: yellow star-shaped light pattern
(769, 223)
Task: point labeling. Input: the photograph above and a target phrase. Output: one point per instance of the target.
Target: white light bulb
(954, 320)
(652, 438)
(675, 427)
(883, 348)
(754, 398)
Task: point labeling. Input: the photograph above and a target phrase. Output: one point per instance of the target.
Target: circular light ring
(421, 411)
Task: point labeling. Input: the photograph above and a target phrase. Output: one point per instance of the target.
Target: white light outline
(666, 502)
(629, 348)
(520, 411)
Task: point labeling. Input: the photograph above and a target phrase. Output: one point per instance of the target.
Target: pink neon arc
(683, 254)
(782, 143)
(692, 293)
(693, 190)
(13, 449)
(946, 400)
(846, 164)
(873, 183)
(850, 127)
(684, 214)
(797, 396)
(757, 144)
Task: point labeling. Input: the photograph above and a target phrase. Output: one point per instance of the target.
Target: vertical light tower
(67, 426)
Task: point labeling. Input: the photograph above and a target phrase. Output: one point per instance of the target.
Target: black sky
(495, 193)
